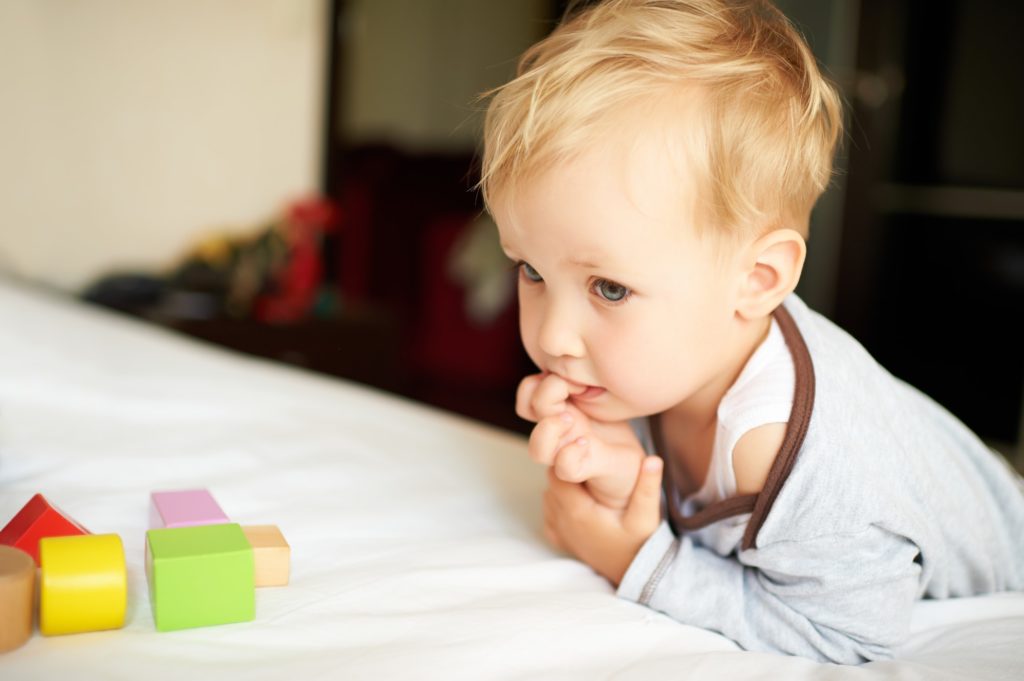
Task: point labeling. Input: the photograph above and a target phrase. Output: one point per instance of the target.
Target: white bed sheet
(416, 550)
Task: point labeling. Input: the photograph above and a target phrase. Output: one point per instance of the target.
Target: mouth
(582, 391)
(590, 393)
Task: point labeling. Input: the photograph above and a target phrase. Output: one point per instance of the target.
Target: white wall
(127, 128)
(412, 68)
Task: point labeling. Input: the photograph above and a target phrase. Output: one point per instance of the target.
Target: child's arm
(605, 456)
(842, 598)
(835, 598)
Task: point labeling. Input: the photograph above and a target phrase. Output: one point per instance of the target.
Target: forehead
(626, 186)
(653, 144)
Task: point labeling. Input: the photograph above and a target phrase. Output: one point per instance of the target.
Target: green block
(200, 576)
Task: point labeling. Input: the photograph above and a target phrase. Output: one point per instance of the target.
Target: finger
(644, 510)
(573, 462)
(524, 396)
(552, 538)
(550, 509)
(549, 399)
(551, 493)
(551, 521)
(580, 420)
(547, 437)
(555, 485)
(568, 498)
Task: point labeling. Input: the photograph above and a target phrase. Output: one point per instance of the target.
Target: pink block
(183, 508)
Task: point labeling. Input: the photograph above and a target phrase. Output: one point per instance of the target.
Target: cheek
(643, 362)
(622, 354)
(529, 322)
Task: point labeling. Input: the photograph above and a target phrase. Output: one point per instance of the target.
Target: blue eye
(531, 274)
(610, 291)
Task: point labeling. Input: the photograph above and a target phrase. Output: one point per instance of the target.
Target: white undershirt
(762, 394)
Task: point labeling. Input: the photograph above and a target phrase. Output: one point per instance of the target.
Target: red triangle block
(37, 519)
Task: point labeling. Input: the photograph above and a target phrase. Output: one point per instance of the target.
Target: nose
(560, 333)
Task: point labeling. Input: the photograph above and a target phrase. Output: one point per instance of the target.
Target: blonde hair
(768, 118)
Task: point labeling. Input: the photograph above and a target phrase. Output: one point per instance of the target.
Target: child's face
(617, 291)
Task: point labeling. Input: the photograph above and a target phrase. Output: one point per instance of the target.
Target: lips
(592, 392)
(581, 391)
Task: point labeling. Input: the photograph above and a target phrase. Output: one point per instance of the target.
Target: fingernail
(567, 417)
(582, 441)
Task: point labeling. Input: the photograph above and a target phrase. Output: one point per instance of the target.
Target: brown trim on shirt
(758, 505)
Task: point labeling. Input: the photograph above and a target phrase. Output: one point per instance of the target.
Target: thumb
(644, 510)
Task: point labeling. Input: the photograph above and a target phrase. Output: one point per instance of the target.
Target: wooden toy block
(185, 508)
(199, 576)
(83, 584)
(17, 581)
(271, 553)
(37, 519)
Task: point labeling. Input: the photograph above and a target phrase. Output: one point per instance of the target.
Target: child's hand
(544, 399)
(606, 456)
(605, 539)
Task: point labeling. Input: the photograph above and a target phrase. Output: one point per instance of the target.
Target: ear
(772, 271)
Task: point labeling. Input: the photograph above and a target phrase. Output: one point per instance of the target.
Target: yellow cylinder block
(83, 584)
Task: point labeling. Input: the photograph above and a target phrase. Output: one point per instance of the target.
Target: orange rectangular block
(271, 554)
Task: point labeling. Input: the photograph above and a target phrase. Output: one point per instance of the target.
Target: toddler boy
(652, 170)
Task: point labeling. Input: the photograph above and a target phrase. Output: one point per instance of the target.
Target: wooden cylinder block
(17, 580)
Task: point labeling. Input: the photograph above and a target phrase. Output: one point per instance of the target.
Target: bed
(415, 534)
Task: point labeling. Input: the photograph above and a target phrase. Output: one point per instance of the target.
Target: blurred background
(293, 179)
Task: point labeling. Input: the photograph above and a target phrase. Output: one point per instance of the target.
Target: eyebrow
(572, 261)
